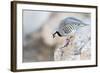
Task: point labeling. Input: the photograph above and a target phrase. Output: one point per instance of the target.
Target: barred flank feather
(70, 24)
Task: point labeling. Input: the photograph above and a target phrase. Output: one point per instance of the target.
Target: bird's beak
(57, 34)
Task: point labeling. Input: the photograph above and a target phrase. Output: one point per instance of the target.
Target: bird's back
(70, 24)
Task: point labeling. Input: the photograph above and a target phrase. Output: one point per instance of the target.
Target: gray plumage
(69, 25)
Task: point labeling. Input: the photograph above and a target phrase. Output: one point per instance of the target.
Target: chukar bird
(69, 25)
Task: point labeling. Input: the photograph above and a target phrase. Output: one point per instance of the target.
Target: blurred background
(38, 42)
